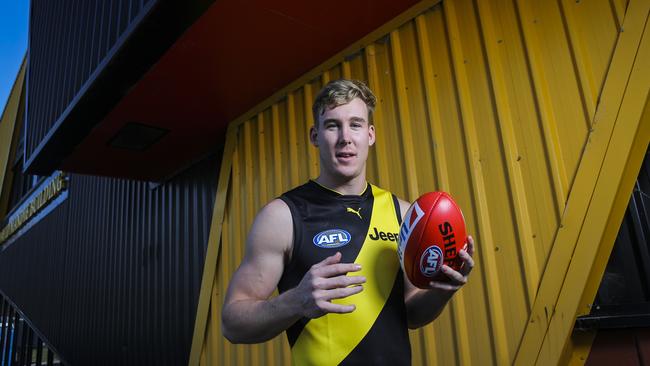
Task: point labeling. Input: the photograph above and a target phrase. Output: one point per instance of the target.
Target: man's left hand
(457, 279)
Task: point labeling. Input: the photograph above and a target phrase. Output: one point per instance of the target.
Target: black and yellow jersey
(364, 229)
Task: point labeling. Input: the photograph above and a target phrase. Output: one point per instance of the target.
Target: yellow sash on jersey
(379, 264)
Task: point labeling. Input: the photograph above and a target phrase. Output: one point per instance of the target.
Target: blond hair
(343, 91)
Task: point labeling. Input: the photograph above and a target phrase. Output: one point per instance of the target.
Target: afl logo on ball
(431, 261)
(332, 238)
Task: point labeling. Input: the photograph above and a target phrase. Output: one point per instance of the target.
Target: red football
(432, 233)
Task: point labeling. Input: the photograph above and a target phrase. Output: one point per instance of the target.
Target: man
(343, 298)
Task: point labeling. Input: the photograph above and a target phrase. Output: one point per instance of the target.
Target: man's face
(343, 136)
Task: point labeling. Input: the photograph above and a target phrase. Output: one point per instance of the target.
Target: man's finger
(470, 245)
(336, 269)
(468, 262)
(454, 275)
(443, 286)
(329, 260)
(339, 293)
(329, 307)
(342, 281)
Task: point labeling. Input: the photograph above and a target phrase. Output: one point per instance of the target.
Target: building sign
(30, 211)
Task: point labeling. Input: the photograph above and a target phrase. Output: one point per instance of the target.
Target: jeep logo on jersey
(413, 216)
(431, 261)
(385, 236)
(332, 238)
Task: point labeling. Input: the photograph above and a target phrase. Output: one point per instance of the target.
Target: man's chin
(346, 174)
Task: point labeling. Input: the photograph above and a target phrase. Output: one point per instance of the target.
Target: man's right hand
(325, 281)
(250, 314)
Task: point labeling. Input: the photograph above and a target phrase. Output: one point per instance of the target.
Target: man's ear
(313, 136)
(371, 135)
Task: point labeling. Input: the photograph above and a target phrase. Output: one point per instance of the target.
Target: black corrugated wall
(70, 42)
(112, 275)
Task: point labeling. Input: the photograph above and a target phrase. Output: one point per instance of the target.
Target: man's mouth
(345, 155)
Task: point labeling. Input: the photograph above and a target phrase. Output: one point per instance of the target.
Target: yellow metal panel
(619, 7)
(8, 137)
(278, 156)
(543, 95)
(592, 29)
(620, 167)
(293, 140)
(506, 116)
(379, 160)
(578, 202)
(529, 158)
(308, 97)
(463, 52)
(262, 159)
(553, 54)
(404, 119)
(386, 120)
(580, 342)
(448, 142)
(491, 101)
(302, 135)
(431, 341)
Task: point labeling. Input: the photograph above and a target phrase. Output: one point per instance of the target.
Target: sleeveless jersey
(364, 229)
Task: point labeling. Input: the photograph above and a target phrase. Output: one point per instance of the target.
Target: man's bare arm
(249, 315)
(423, 306)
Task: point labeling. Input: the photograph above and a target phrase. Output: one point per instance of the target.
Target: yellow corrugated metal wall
(492, 101)
(8, 124)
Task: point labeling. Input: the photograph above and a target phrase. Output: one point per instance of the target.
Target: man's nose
(344, 135)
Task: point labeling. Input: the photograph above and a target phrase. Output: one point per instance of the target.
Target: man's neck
(355, 186)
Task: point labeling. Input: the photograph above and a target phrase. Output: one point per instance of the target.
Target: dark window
(623, 298)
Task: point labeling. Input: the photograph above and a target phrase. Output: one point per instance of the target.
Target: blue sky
(14, 16)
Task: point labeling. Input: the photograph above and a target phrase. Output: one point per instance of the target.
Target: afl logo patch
(431, 261)
(332, 238)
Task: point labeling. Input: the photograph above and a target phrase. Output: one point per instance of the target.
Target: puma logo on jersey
(356, 212)
(383, 235)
